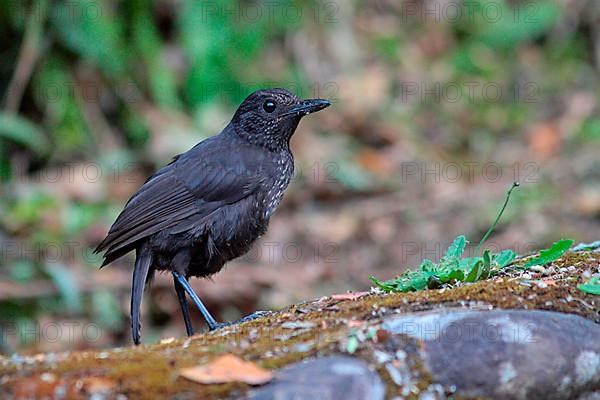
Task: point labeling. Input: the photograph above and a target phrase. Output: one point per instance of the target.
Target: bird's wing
(193, 186)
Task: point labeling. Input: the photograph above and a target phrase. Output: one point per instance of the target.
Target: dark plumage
(211, 203)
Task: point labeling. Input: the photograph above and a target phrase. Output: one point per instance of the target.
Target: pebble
(381, 357)
(541, 284)
(297, 325)
(538, 268)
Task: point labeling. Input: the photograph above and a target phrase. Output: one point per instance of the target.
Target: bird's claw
(249, 317)
(253, 316)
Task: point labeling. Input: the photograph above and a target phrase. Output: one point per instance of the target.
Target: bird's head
(270, 117)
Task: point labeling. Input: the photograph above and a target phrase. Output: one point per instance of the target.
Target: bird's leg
(210, 320)
(189, 328)
(182, 286)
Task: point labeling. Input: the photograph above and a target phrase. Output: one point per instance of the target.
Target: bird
(211, 203)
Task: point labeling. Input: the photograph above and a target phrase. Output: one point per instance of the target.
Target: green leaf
(504, 258)
(551, 254)
(486, 266)
(352, 344)
(417, 282)
(427, 265)
(20, 130)
(454, 274)
(457, 247)
(467, 263)
(382, 285)
(475, 272)
(591, 287)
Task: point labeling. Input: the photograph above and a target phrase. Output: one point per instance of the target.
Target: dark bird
(210, 203)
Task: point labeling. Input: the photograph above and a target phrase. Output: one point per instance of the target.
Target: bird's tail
(143, 261)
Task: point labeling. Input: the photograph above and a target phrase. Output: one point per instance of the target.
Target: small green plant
(453, 268)
(591, 287)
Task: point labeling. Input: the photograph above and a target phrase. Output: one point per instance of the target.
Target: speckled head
(270, 117)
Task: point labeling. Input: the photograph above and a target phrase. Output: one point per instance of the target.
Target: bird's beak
(309, 106)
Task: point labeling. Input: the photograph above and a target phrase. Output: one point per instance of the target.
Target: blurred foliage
(106, 83)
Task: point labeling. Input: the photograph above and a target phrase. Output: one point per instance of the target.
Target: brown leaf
(348, 296)
(227, 368)
(93, 385)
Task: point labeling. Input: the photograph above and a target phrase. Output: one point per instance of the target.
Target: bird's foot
(249, 317)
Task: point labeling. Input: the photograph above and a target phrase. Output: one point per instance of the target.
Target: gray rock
(328, 378)
(507, 354)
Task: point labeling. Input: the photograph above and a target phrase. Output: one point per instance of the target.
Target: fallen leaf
(348, 296)
(225, 369)
(93, 385)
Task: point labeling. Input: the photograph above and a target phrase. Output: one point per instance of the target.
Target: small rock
(381, 357)
(538, 268)
(541, 284)
(332, 378)
(301, 347)
(506, 354)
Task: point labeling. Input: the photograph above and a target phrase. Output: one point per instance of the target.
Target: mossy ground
(300, 331)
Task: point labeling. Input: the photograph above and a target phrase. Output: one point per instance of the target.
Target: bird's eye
(269, 106)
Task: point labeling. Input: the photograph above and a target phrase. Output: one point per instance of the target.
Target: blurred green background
(438, 107)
